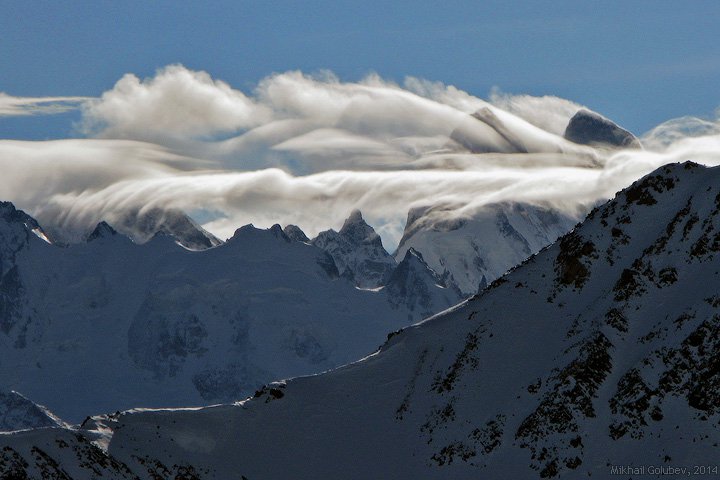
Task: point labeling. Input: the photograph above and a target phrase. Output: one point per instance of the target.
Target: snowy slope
(19, 413)
(469, 253)
(159, 325)
(601, 350)
(358, 252)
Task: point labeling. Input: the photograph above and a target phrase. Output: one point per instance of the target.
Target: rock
(590, 128)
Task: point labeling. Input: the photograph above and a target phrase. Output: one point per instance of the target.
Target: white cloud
(309, 149)
(11, 106)
(176, 102)
(549, 113)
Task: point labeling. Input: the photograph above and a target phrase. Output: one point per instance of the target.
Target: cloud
(307, 149)
(549, 113)
(175, 102)
(11, 106)
(678, 129)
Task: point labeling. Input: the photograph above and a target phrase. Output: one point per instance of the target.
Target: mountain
(417, 287)
(358, 252)
(142, 225)
(294, 232)
(590, 128)
(595, 356)
(9, 214)
(161, 325)
(19, 413)
(470, 252)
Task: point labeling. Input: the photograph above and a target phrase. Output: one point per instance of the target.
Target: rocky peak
(590, 128)
(295, 233)
(9, 214)
(277, 232)
(411, 268)
(142, 225)
(358, 252)
(418, 287)
(102, 230)
(356, 230)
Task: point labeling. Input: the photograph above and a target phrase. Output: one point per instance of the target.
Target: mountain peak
(358, 252)
(418, 287)
(278, 232)
(495, 237)
(102, 230)
(295, 233)
(142, 225)
(358, 232)
(354, 219)
(12, 214)
(19, 413)
(413, 254)
(17, 228)
(590, 128)
(250, 234)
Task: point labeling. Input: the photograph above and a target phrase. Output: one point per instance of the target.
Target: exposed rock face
(590, 128)
(18, 234)
(358, 252)
(294, 232)
(103, 230)
(415, 285)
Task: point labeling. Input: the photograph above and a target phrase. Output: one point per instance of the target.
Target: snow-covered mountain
(470, 252)
(20, 413)
(598, 353)
(142, 225)
(358, 252)
(160, 325)
(418, 288)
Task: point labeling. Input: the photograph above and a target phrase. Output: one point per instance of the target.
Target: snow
(175, 327)
(496, 238)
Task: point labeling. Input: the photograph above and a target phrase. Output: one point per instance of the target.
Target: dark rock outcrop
(590, 128)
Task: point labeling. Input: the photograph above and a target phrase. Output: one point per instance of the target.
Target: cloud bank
(307, 149)
(11, 106)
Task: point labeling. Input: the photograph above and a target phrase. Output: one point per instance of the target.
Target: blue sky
(639, 63)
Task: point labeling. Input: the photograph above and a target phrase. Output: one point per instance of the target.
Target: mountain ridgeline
(181, 325)
(598, 352)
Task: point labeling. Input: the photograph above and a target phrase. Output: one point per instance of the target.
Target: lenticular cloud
(307, 149)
